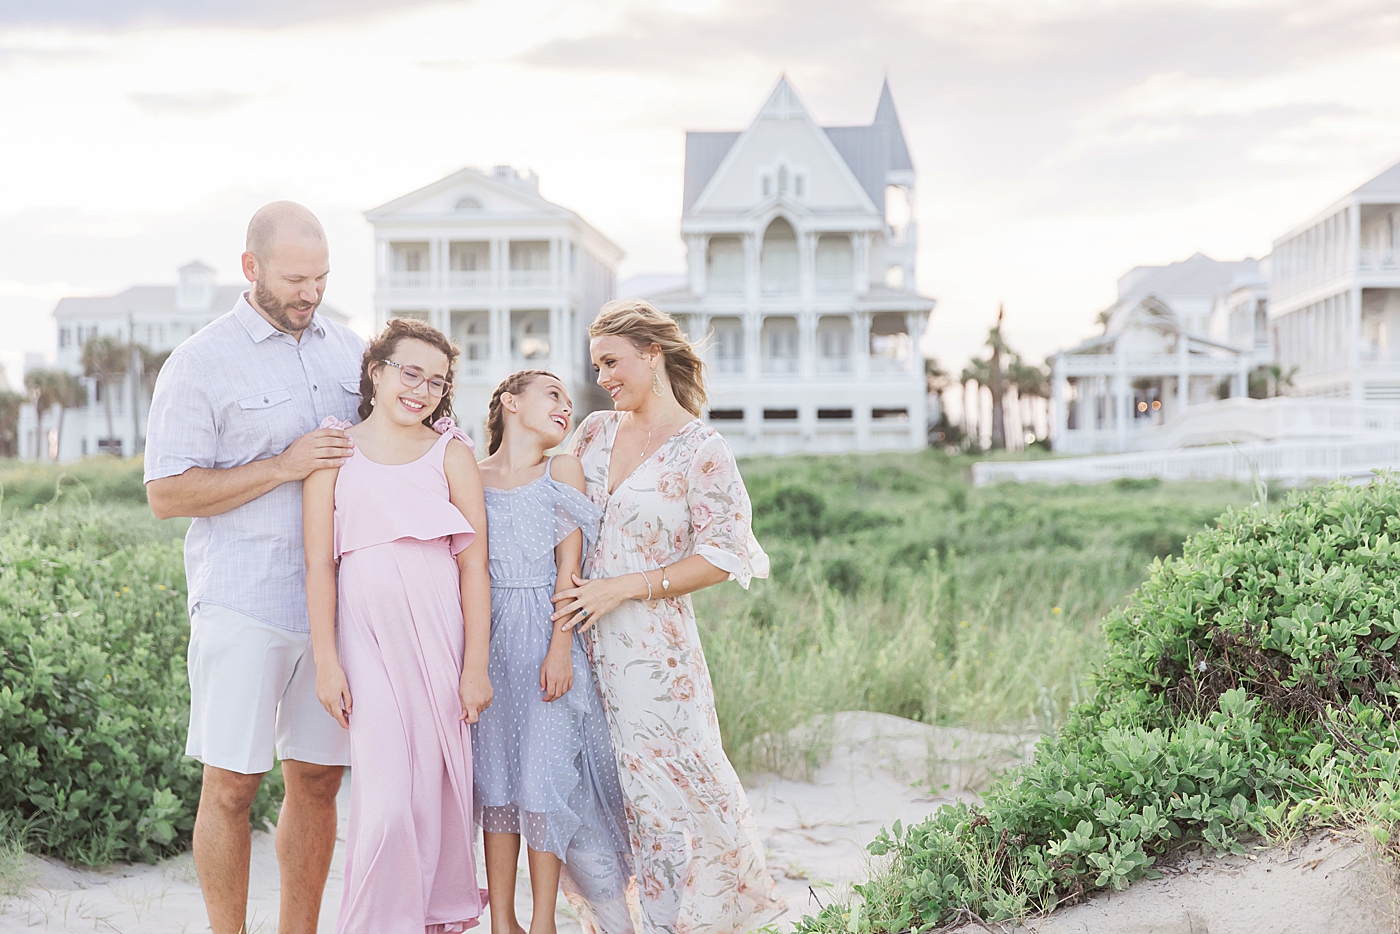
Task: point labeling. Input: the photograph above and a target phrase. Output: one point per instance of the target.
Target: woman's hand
(557, 672)
(586, 601)
(475, 693)
(333, 691)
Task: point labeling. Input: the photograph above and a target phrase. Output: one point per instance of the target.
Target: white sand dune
(874, 769)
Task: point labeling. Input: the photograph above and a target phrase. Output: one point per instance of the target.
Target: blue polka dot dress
(546, 770)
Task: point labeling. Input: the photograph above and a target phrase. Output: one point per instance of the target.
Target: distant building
(156, 317)
(1334, 297)
(1178, 336)
(513, 278)
(801, 245)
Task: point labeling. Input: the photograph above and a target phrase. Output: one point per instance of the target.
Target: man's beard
(278, 311)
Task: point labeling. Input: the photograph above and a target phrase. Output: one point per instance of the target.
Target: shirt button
(315, 388)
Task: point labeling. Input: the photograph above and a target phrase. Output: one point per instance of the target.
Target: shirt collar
(258, 327)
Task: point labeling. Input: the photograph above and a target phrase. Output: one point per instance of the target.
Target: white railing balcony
(415, 279)
(473, 369)
(835, 366)
(728, 366)
(469, 279)
(834, 283)
(531, 278)
(888, 366)
(1380, 259)
(780, 286)
(726, 285)
(780, 366)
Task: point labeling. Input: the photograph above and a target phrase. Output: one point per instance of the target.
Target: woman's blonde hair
(644, 325)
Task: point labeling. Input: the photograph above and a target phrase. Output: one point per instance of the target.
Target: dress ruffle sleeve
(721, 516)
(330, 421)
(573, 510)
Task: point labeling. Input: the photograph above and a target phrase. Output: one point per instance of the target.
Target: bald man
(233, 431)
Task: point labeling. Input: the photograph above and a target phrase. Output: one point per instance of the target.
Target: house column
(807, 267)
(806, 345)
(1183, 373)
(556, 276)
(752, 260)
(1353, 299)
(1121, 405)
(1059, 413)
(697, 245)
(860, 259)
(500, 341)
(500, 256)
(860, 337)
(753, 371)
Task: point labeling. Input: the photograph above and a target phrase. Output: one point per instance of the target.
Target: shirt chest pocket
(267, 422)
(349, 400)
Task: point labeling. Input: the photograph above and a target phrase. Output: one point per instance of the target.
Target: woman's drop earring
(655, 383)
(371, 401)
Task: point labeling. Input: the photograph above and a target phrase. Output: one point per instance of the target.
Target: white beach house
(513, 278)
(156, 317)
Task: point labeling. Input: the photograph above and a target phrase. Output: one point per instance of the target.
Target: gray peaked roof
(1388, 181)
(870, 152)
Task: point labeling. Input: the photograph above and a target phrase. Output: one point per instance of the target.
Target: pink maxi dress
(409, 864)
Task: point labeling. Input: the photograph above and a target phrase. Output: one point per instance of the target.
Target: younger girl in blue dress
(543, 758)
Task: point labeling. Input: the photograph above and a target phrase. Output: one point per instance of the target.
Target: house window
(727, 345)
(726, 415)
(835, 415)
(778, 264)
(724, 265)
(880, 415)
(468, 204)
(529, 335)
(64, 336)
(780, 415)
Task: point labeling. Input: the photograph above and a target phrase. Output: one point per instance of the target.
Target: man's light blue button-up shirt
(238, 391)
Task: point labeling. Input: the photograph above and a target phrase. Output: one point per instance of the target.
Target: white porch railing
(469, 279)
(1148, 364)
(781, 366)
(416, 279)
(835, 366)
(531, 278)
(1291, 462)
(1380, 259)
(1242, 421)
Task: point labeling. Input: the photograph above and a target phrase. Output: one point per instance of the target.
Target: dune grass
(898, 587)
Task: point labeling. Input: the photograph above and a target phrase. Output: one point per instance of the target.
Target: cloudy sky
(1059, 142)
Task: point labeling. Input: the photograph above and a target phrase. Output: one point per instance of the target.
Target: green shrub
(94, 699)
(1250, 686)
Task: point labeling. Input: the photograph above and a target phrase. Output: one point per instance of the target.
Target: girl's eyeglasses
(413, 377)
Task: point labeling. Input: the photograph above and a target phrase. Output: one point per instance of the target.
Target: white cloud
(1058, 143)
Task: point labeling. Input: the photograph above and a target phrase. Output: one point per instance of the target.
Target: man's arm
(209, 491)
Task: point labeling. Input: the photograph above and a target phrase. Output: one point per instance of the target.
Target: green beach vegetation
(1248, 691)
(896, 587)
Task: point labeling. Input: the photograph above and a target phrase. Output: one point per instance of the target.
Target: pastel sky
(1059, 142)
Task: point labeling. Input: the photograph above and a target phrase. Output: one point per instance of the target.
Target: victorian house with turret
(801, 244)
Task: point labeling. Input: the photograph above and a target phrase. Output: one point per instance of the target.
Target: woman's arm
(601, 596)
(318, 533)
(464, 489)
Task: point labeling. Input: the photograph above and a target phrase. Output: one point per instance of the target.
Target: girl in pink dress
(406, 673)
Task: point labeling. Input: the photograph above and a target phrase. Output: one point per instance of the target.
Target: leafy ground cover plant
(94, 699)
(1248, 688)
(25, 484)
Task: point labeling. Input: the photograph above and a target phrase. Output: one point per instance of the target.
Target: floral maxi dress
(699, 860)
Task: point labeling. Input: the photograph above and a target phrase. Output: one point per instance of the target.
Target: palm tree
(42, 387)
(69, 393)
(10, 402)
(150, 362)
(1031, 382)
(106, 359)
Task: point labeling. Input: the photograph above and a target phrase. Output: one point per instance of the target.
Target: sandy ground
(1329, 884)
(875, 769)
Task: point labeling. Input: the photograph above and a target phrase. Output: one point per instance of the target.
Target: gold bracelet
(648, 580)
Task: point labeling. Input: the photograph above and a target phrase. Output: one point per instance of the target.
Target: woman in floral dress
(676, 518)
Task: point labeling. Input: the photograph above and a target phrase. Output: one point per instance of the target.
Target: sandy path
(815, 832)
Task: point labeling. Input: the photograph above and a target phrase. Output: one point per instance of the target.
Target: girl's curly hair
(382, 347)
